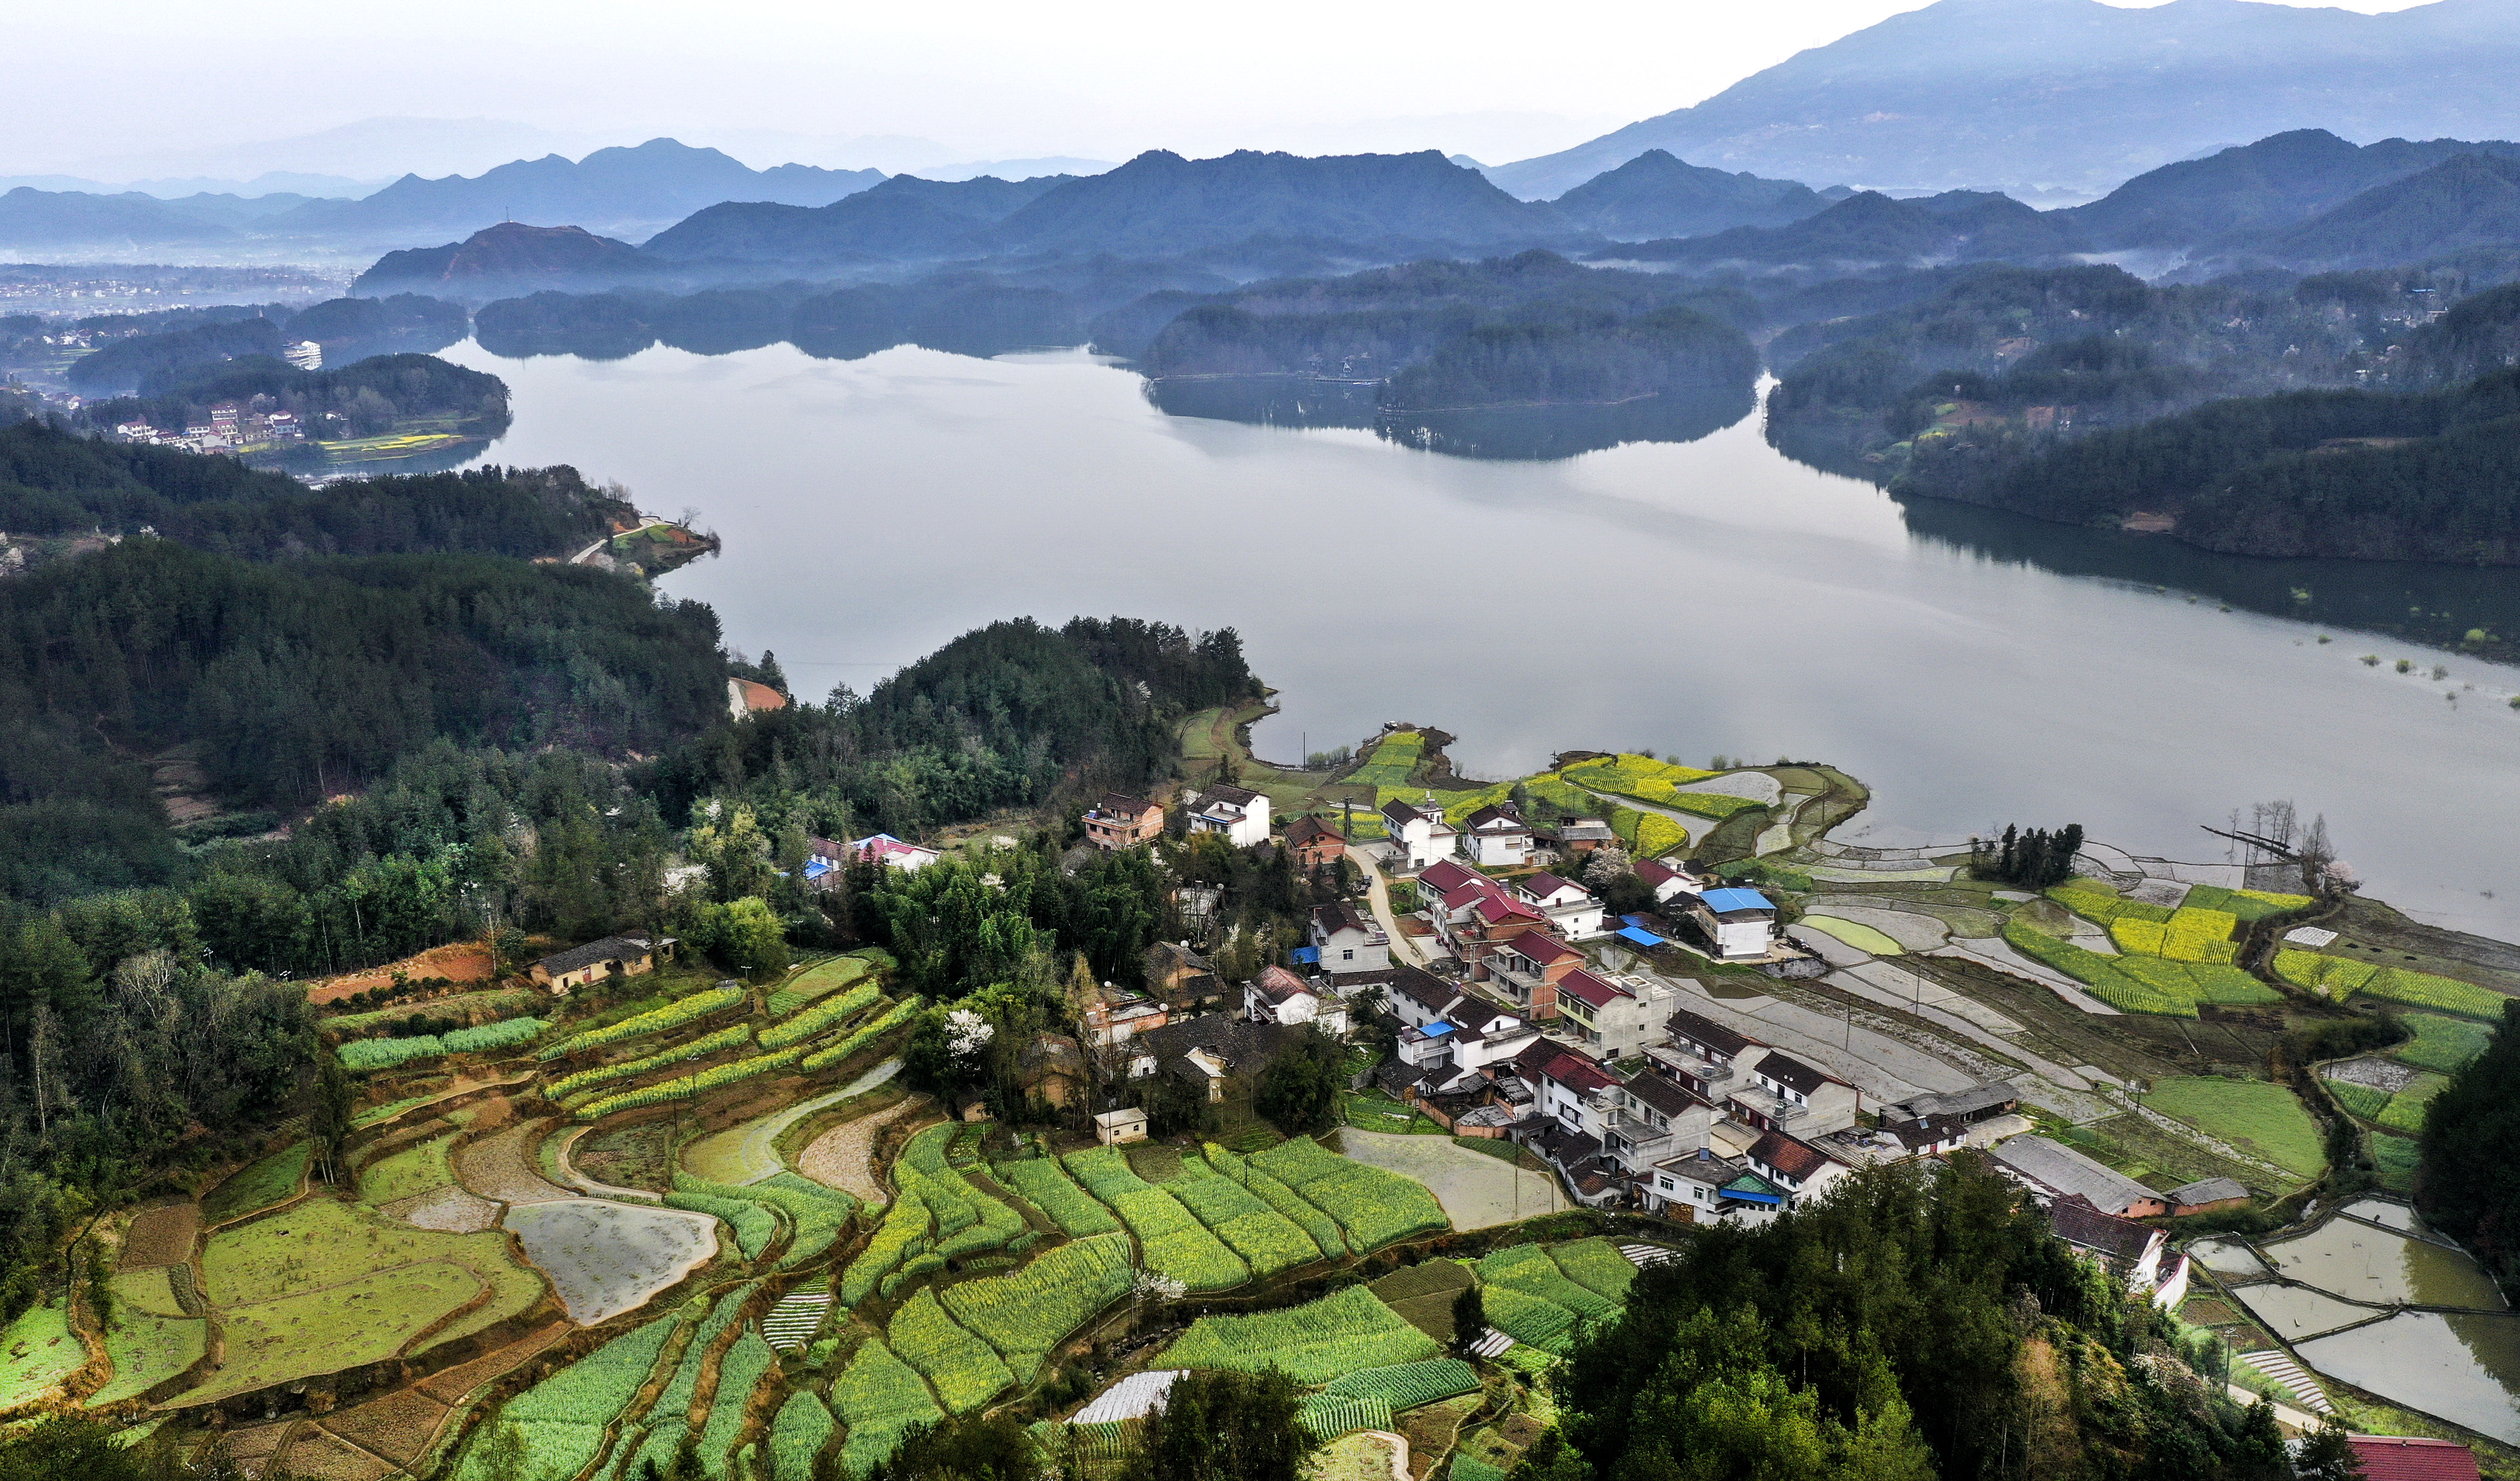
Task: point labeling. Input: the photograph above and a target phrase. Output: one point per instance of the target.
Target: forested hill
(2356, 475)
(1917, 1323)
(366, 398)
(55, 483)
(1007, 716)
(289, 683)
(1578, 359)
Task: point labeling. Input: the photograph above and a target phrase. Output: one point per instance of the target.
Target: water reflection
(2295, 1312)
(2437, 605)
(2464, 1368)
(2353, 1260)
(1515, 433)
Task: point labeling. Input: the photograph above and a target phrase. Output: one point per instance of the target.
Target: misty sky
(152, 87)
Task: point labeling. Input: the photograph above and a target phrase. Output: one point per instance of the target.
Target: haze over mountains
(2077, 94)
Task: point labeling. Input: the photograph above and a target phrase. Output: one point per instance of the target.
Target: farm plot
(324, 1286)
(2445, 1045)
(1313, 1343)
(1042, 1181)
(1597, 1266)
(274, 1179)
(1027, 1312)
(36, 1352)
(1406, 1385)
(447, 1210)
(398, 1426)
(798, 1435)
(901, 1238)
(967, 1219)
(2405, 1110)
(161, 1236)
(606, 1258)
(816, 981)
(965, 1370)
(1527, 1267)
(149, 1338)
(502, 1167)
(1472, 1189)
(750, 1152)
(1422, 1294)
(562, 1419)
(844, 1156)
(668, 1417)
(1535, 1320)
(1268, 1240)
(755, 1224)
(1175, 1243)
(687, 1010)
(2256, 1115)
(407, 1174)
(877, 1396)
(1371, 1205)
(1322, 1230)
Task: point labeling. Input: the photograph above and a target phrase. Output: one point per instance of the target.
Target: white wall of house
(1352, 951)
(1509, 847)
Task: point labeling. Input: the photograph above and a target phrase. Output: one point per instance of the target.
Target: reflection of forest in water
(1523, 433)
(2437, 605)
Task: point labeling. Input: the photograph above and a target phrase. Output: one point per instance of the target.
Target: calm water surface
(1692, 597)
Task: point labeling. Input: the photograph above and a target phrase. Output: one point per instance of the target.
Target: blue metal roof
(1641, 937)
(1438, 1029)
(1725, 900)
(1310, 956)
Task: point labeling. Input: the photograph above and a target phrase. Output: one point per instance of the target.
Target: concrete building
(1614, 1016)
(1780, 1092)
(892, 853)
(1278, 995)
(1241, 814)
(562, 972)
(1568, 906)
(2055, 1171)
(1497, 835)
(1527, 971)
(1347, 941)
(1737, 924)
(1419, 835)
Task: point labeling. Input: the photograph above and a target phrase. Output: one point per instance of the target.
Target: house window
(1347, 955)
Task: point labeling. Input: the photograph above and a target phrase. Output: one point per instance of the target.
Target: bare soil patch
(398, 1426)
(2373, 1071)
(458, 961)
(502, 1167)
(161, 1236)
(325, 1457)
(841, 1156)
(448, 1210)
(455, 1383)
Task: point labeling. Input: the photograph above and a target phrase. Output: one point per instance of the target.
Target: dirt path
(842, 1157)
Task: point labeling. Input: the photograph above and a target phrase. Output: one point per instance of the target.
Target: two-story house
(1241, 814)
(1569, 908)
(1665, 880)
(1278, 995)
(1447, 1029)
(2131, 1251)
(1496, 836)
(1528, 969)
(1314, 843)
(1710, 1187)
(1180, 979)
(1738, 924)
(1419, 835)
(1120, 821)
(1471, 912)
(1347, 941)
(1780, 1092)
(1703, 1054)
(1615, 1018)
(891, 852)
(1653, 1118)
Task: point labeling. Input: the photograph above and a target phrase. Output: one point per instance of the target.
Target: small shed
(1114, 1127)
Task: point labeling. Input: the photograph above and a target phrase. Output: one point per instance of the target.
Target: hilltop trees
(2033, 860)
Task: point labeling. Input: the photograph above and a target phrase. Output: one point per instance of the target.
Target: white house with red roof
(1278, 995)
(1570, 908)
(1665, 880)
(1802, 1170)
(1527, 970)
(887, 850)
(1419, 836)
(1497, 835)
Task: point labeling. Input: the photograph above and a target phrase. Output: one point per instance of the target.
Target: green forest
(55, 483)
(364, 399)
(1917, 1323)
(2465, 1182)
(1580, 359)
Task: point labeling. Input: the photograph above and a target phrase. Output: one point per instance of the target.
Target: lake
(1693, 598)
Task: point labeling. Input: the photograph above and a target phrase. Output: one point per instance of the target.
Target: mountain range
(2077, 93)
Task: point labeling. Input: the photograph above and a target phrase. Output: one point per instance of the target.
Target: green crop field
(408, 1173)
(1313, 1343)
(877, 1396)
(1597, 1265)
(1534, 1319)
(1392, 761)
(2442, 1043)
(1176, 1244)
(1406, 1385)
(149, 1338)
(965, 1370)
(36, 1352)
(2405, 1112)
(1025, 1312)
(1047, 1184)
(274, 1179)
(2256, 1115)
(2364, 1100)
(1372, 1206)
(1527, 1267)
(902, 1237)
(1322, 1230)
(562, 1418)
(668, 1421)
(823, 978)
(798, 1435)
(1268, 1240)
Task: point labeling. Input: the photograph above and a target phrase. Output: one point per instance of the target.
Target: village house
(1347, 941)
(1116, 1016)
(1581, 836)
(2054, 1171)
(1703, 1054)
(2131, 1251)
(1568, 906)
(1112, 1128)
(1419, 836)
(1314, 843)
(1705, 1187)
(2412, 1458)
(1180, 979)
(1665, 880)
(1241, 814)
(1781, 1093)
(1737, 924)
(1497, 837)
(1473, 913)
(1120, 821)
(1209, 1052)
(1802, 1170)
(1978, 1103)
(1051, 1069)
(562, 972)
(1454, 1038)
(1528, 969)
(1615, 1018)
(1278, 995)
(891, 852)
(1652, 1119)
(2209, 1195)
